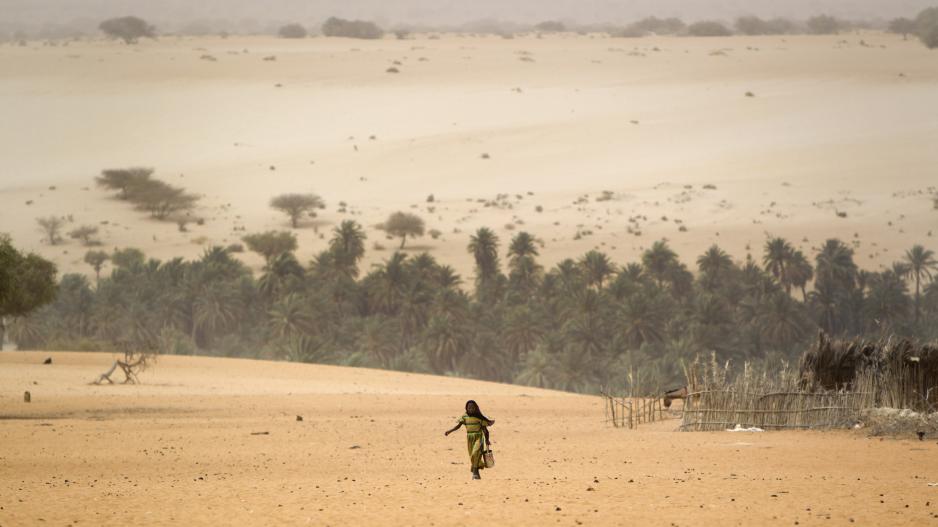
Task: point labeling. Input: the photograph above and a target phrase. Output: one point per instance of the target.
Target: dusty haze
(250, 15)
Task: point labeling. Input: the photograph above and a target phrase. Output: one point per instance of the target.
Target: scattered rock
(27, 397)
(48, 360)
(299, 418)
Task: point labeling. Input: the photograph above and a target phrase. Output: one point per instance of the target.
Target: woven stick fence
(725, 408)
(770, 401)
(629, 412)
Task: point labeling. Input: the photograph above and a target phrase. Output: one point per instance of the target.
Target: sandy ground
(842, 123)
(181, 448)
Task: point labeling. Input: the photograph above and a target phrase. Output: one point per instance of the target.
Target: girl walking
(477, 435)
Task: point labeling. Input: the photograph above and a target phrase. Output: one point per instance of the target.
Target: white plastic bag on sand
(739, 428)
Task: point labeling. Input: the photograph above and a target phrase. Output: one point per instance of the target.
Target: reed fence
(725, 408)
(629, 412)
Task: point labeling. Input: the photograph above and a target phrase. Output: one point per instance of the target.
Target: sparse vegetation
(338, 27)
(824, 25)
(51, 226)
(403, 225)
(136, 185)
(271, 244)
(296, 205)
(130, 29)
(551, 26)
(86, 234)
(96, 259)
(753, 25)
(708, 28)
(902, 26)
(926, 27)
(292, 31)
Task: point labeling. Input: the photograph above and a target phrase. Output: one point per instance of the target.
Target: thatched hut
(897, 372)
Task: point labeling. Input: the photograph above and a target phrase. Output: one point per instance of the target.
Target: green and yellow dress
(475, 438)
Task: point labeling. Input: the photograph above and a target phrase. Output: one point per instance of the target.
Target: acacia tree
(122, 179)
(51, 226)
(403, 224)
(292, 31)
(85, 233)
(130, 29)
(271, 243)
(96, 260)
(926, 27)
(295, 205)
(902, 26)
(161, 199)
(26, 283)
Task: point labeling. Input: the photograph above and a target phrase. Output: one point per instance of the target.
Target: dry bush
(292, 31)
(824, 25)
(659, 26)
(86, 234)
(708, 28)
(926, 27)
(338, 27)
(753, 25)
(128, 28)
(51, 226)
(551, 26)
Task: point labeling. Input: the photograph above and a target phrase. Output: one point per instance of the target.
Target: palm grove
(579, 325)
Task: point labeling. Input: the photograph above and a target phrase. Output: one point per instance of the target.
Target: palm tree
(921, 263)
(835, 265)
(569, 274)
(522, 245)
(781, 322)
(446, 278)
(282, 275)
(715, 264)
(887, 303)
(348, 246)
(658, 260)
(447, 341)
(536, 369)
(483, 246)
(524, 279)
(800, 272)
(596, 267)
(291, 316)
(215, 308)
(390, 281)
(522, 330)
(642, 318)
(777, 260)
(378, 340)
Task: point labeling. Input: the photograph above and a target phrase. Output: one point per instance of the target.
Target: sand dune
(836, 124)
(189, 446)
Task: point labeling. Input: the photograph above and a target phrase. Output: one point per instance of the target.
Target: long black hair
(477, 413)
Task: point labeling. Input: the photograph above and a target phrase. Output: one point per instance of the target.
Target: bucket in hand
(489, 459)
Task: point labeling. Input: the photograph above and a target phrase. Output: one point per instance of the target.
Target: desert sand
(216, 441)
(835, 124)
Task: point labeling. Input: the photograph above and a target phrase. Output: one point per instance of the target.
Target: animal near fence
(726, 408)
(629, 412)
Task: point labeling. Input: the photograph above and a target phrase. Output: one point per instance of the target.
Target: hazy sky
(172, 14)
